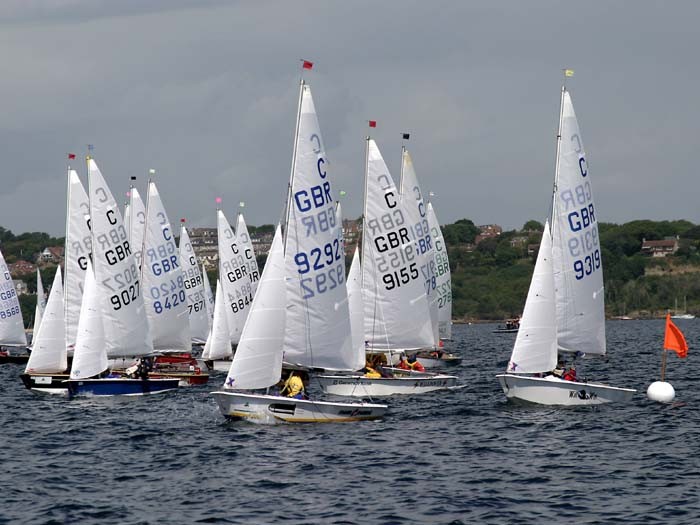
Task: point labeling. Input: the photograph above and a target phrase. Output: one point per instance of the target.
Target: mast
(65, 241)
(556, 161)
(364, 211)
(302, 85)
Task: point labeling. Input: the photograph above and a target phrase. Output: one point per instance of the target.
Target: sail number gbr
(586, 266)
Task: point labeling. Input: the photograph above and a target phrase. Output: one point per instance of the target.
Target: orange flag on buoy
(674, 339)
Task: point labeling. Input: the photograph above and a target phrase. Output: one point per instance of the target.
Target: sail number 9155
(587, 265)
(400, 277)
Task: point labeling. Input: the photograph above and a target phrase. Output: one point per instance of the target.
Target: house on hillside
(51, 255)
(20, 287)
(488, 231)
(21, 267)
(668, 246)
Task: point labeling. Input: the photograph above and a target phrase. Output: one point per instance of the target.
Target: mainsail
(443, 295)
(116, 273)
(77, 253)
(163, 281)
(318, 320)
(578, 268)
(194, 287)
(11, 323)
(397, 313)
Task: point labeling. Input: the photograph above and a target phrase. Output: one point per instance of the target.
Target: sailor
(415, 364)
(570, 374)
(293, 387)
(403, 363)
(371, 372)
(559, 370)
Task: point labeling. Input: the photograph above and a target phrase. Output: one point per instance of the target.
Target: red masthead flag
(673, 338)
(71, 155)
(372, 123)
(306, 64)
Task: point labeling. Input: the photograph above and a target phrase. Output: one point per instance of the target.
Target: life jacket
(417, 366)
(570, 375)
(293, 387)
(372, 373)
(403, 365)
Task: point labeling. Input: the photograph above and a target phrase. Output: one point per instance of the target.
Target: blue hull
(119, 386)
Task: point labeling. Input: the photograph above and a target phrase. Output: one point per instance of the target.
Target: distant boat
(565, 310)
(685, 314)
(12, 333)
(511, 326)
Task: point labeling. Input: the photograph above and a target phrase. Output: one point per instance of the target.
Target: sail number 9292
(586, 266)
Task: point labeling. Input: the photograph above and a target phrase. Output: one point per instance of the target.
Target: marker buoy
(661, 391)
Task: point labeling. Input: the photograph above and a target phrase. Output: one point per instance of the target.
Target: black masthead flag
(406, 136)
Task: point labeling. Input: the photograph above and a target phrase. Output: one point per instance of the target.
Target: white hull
(222, 365)
(439, 362)
(552, 390)
(361, 386)
(277, 409)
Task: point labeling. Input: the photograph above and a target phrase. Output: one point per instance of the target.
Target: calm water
(459, 457)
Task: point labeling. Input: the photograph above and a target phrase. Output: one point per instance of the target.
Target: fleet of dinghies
(124, 315)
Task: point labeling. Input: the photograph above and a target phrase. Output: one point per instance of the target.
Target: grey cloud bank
(206, 93)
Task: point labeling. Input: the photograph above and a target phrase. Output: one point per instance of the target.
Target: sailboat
(194, 287)
(78, 244)
(40, 304)
(11, 323)
(564, 311)
(423, 234)
(396, 315)
(685, 314)
(165, 297)
(47, 368)
(217, 351)
(300, 311)
(113, 321)
(89, 374)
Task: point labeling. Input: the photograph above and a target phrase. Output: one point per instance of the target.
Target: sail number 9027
(125, 297)
(587, 265)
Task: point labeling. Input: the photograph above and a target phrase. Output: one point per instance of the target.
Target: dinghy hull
(446, 359)
(119, 386)
(276, 409)
(551, 390)
(46, 383)
(361, 386)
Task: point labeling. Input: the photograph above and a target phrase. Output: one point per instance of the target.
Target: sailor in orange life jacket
(415, 364)
(293, 387)
(570, 374)
(403, 363)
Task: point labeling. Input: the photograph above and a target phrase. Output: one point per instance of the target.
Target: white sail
(443, 297)
(77, 253)
(49, 352)
(397, 314)
(11, 323)
(40, 305)
(194, 286)
(137, 224)
(238, 283)
(318, 319)
(208, 295)
(355, 304)
(218, 344)
(578, 269)
(258, 359)
(245, 252)
(535, 348)
(127, 216)
(116, 273)
(420, 235)
(90, 358)
(164, 295)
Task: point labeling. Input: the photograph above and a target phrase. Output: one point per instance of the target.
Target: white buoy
(661, 391)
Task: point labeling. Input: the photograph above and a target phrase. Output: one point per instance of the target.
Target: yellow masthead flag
(568, 72)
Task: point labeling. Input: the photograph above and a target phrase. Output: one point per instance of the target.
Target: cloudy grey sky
(206, 91)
